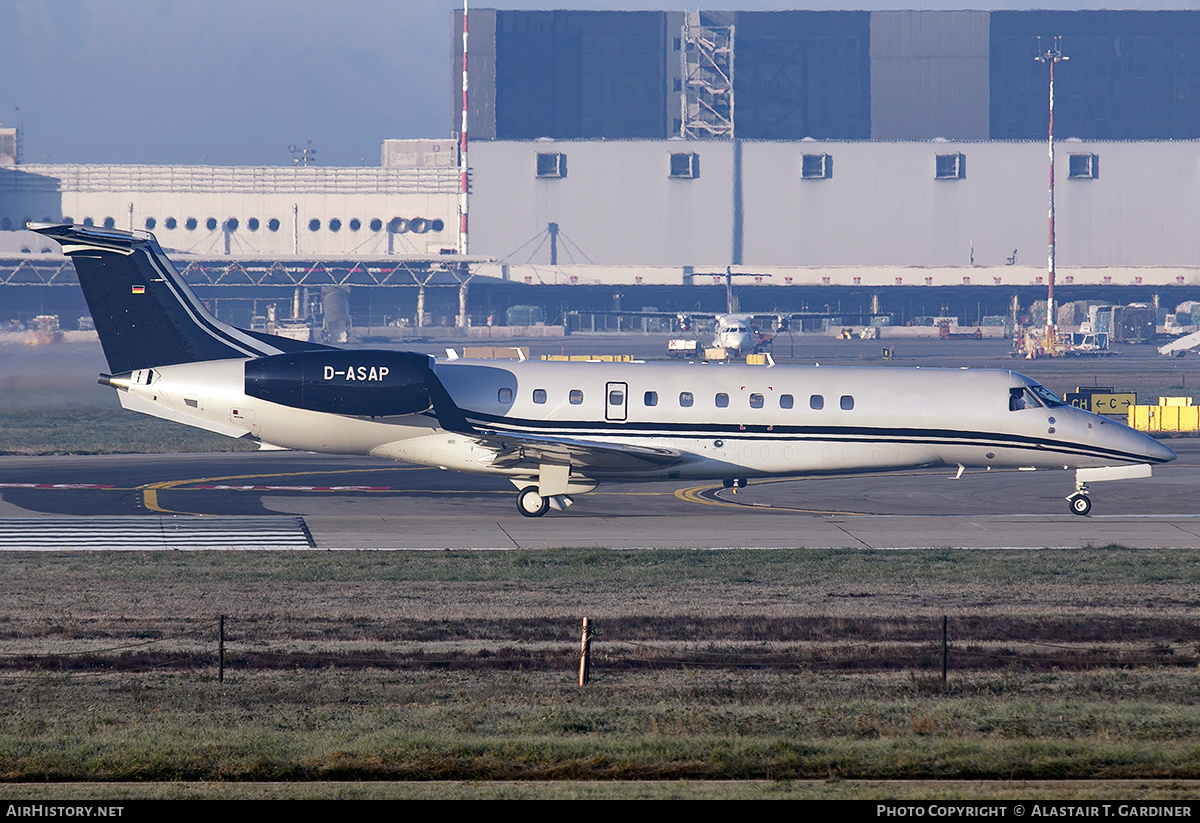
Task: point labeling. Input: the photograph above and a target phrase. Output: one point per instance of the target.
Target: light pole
(1051, 56)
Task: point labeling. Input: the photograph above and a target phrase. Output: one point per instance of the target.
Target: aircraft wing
(513, 450)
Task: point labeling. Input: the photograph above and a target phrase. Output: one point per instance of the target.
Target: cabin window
(722, 400)
(816, 402)
(576, 396)
(650, 398)
(686, 399)
(504, 396)
(539, 396)
(756, 401)
(786, 401)
(847, 402)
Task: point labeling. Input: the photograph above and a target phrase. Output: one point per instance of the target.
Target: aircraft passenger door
(616, 399)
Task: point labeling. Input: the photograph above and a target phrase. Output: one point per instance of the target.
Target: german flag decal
(139, 289)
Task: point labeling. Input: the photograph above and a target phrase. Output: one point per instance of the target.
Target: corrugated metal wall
(929, 75)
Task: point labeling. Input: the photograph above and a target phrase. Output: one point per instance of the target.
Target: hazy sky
(233, 82)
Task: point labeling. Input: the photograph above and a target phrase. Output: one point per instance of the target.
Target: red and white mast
(462, 148)
(1052, 56)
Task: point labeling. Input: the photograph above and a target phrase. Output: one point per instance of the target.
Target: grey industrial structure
(814, 149)
(836, 75)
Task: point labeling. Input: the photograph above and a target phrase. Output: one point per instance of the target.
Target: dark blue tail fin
(144, 312)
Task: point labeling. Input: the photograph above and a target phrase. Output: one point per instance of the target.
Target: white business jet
(558, 429)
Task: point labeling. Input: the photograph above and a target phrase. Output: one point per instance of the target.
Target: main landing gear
(531, 504)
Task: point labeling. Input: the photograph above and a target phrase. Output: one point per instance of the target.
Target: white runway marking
(146, 533)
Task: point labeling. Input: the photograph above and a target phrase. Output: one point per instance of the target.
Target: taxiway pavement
(361, 503)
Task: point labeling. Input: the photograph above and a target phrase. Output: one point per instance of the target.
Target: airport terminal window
(951, 167)
(722, 400)
(539, 396)
(211, 223)
(273, 224)
(847, 402)
(650, 398)
(816, 402)
(685, 166)
(576, 396)
(756, 401)
(191, 223)
(686, 399)
(551, 165)
(504, 396)
(1084, 167)
(785, 401)
(151, 223)
(252, 224)
(172, 223)
(816, 166)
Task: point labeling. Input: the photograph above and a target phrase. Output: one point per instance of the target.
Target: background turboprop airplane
(740, 333)
(559, 429)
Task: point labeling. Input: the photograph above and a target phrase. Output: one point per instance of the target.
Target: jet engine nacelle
(364, 383)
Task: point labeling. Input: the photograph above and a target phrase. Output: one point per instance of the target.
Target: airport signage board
(1113, 403)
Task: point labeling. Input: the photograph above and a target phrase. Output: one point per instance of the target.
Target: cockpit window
(1047, 397)
(1020, 397)
(1032, 397)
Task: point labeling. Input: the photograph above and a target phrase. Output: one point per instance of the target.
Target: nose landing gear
(1079, 502)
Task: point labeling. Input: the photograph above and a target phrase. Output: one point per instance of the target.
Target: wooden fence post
(221, 653)
(585, 653)
(945, 651)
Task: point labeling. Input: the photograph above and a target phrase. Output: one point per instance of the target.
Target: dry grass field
(731, 673)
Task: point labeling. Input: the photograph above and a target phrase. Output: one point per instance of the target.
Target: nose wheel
(1079, 502)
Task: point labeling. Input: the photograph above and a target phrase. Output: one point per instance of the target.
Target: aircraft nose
(1156, 452)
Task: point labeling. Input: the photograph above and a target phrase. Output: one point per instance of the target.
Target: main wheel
(530, 503)
(1081, 504)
